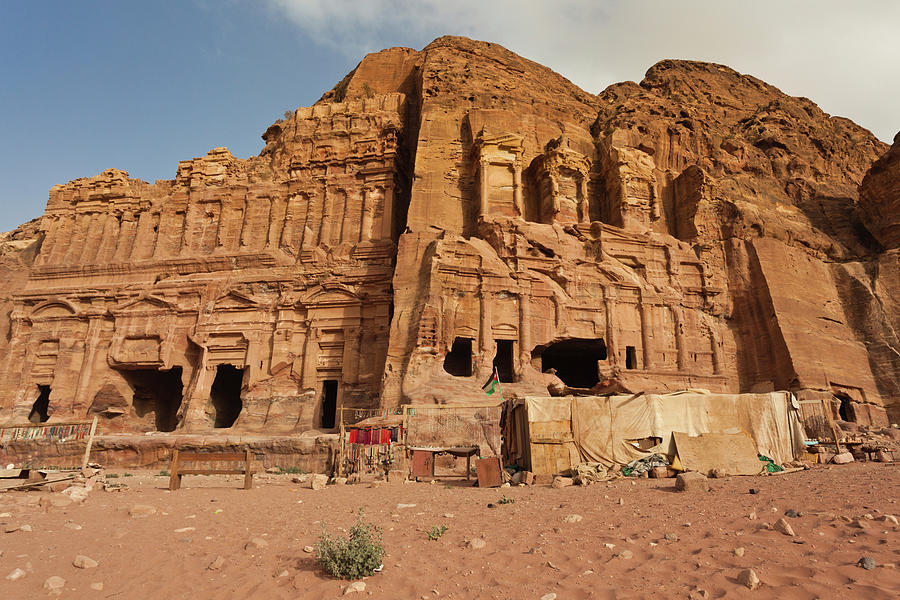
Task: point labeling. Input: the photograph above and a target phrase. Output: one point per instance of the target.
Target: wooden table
(423, 459)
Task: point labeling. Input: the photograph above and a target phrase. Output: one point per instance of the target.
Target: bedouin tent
(549, 435)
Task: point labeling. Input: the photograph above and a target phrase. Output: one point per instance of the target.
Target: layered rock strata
(445, 213)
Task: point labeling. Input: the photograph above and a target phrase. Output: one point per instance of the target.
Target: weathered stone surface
(443, 212)
(691, 481)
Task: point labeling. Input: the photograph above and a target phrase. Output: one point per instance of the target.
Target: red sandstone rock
(443, 212)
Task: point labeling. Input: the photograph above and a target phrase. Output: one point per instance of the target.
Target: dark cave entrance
(225, 395)
(159, 392)
(575, 360)
(329, 403)
(458, 361)
(503, 361)
(41, 407)
(845, 411)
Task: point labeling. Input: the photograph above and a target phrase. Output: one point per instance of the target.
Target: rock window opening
(157, 392)
(226, 395)
(845, 411)
(630, 357)
(458, 361)
(329, 403)
(39, 410)
(574, 360)
(503, 361)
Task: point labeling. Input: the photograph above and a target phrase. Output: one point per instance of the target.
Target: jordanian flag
(492, 384)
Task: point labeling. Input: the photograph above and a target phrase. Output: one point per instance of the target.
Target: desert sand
(636, 538)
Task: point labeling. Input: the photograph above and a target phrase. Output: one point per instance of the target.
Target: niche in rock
(574, 360)
(157, 392)
(458, 361)
(41, 407)
(225, 395)
(329, 403)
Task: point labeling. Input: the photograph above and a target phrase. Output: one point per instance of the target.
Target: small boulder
(54, 584)
(748, 578)
(76, 493)
(217, 564)
(784, 527)
(866, 562)
(84, 562)
(309, 549)
(572, 518)
(256, 543)
(739, 552)
(356, 586)
(692, 481)
(477, 544)
(842, 459)
(16, 574)
(318, 482)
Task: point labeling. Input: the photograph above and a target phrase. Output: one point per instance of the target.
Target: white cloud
(845, 56)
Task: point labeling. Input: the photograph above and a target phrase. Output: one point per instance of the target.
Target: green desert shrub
(355, 556)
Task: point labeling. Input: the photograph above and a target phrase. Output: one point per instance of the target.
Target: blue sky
(89, 85)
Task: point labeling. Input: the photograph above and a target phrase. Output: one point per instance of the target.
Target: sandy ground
(531, 549)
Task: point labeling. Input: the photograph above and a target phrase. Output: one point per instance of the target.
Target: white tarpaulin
(605, 429)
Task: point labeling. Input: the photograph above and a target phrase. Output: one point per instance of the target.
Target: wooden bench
(178, 458)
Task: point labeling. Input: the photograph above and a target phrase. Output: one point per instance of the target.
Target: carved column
(107, 248)
(368, 214)
(612, 334)
(716, 352)
(387, 215)
(310, 357)
(524, 332)
(483, 165)
(64, 233)
(351, 356)
(646, 334)
(583, 201)
(85, 374)
(327, 218)
(485, 333)
(517, 188)
(679, 338)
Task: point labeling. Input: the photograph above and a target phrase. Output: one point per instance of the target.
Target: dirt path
(635, 539)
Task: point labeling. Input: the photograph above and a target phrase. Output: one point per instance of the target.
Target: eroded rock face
(445, 212)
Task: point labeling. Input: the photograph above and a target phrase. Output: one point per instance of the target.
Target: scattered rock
(318, 482)
(625, 555)
(842, 459)
(402, 506)
(692, 481)
(84, 562)
(748, 578)
(718, 474)
(550, 596)
(572, 518)
(477, 544)
(560, 482)
(217, 564)
(339, 481)
(890, 519)
(671, 537)
(185, 529)
(76, 493)
(54, 584)
(739, 551)
(793, 514)
(784, 527)
(754, 491)
(16, 574)
(141, 510)
(256, 544)
(309, 549)
(866, 562)
(97, 585)
(356, 586)
(860, 524)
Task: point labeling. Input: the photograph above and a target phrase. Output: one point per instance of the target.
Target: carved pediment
(235, 300)
(53, 309)
(144, 305)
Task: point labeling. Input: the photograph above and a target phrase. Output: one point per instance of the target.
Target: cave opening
(630, 357)
(845, 410)
(503, 361)
(574, 360)
(329, 403)
(225, 395)
(458, 361)
(159, 392)
(40, 410)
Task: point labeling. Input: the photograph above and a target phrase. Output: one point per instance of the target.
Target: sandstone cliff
(445, 213)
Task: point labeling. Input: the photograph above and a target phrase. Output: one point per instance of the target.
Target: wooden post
(90, 442)
(248, 474)
(340, 465)
(174, 477)
(827, 406)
